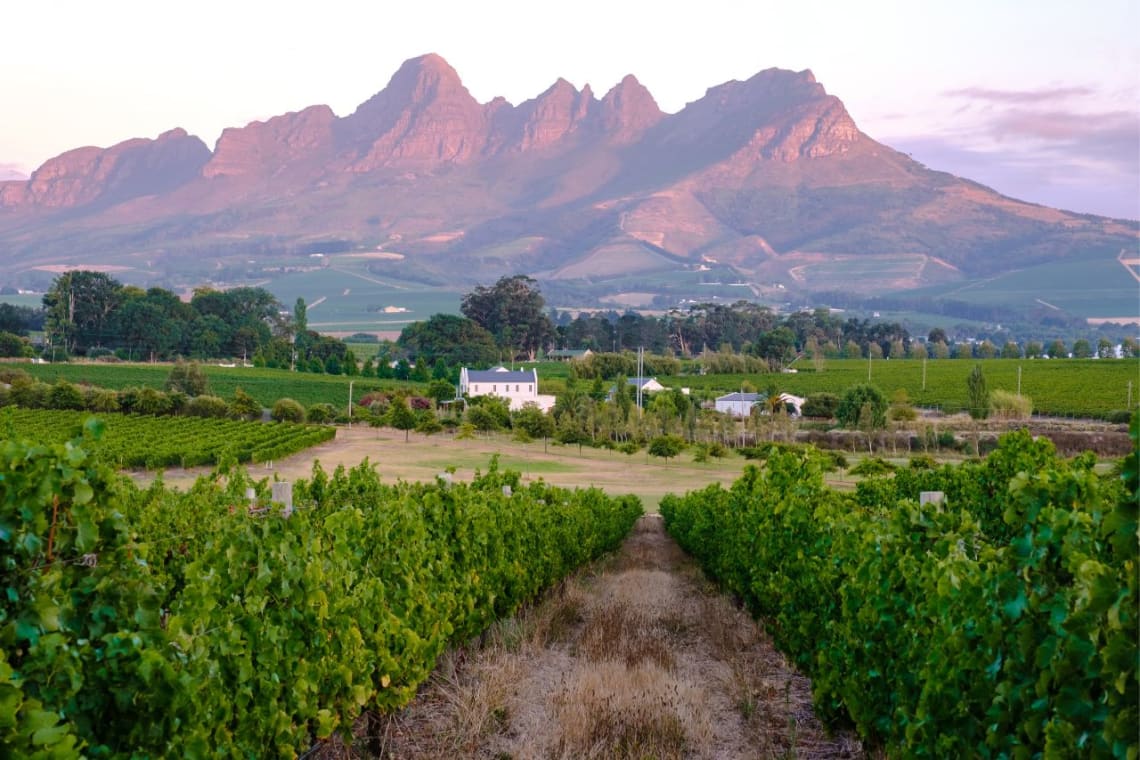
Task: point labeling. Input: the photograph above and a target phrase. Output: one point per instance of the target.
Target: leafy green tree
(1057, 349)
(1082, 349)
(514, 312)
(851, 407)
(427, 424)
(533, 421)
(301, 328)
(440, 391)
(1033, 350)
(571, 430)
(666, 446)
(401, 416)
(451, 339)
(1010, 350)
(986, 350)
(187, 377)
(79, 307)
(244, 406)
(777, 347)
(822, 405)
(1104, 349)
(482, 418)
(977, 394)
(11, 344)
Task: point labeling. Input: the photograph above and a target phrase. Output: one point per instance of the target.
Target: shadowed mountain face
(769, 180)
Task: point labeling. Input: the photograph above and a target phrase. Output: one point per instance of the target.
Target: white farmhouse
(739, 404)
(518, 388)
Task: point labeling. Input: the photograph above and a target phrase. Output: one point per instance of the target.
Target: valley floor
(638, 657)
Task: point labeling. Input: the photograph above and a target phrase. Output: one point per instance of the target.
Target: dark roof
(750, 398)
(500, 376)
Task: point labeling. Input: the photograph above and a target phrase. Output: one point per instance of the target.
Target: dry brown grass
(611, 710)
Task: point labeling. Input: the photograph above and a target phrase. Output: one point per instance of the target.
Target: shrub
(666, 446)
(29, 393)
(428, 424)
(833, 460)
(321, 413)
(872, 466)
(207, 406)
(1009, 406)
(820, 405)
(151, 401)
(923, 462)
(1119, 416)
(287, 410)
(244, 406)
(64, 395)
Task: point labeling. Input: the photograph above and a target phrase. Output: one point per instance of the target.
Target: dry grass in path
(639, 658)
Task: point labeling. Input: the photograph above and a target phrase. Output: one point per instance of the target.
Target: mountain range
(766, 184)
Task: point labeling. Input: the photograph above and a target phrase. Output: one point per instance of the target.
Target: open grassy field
(425, 457)
(1060, 387)
(1094, 285)
(345, 298)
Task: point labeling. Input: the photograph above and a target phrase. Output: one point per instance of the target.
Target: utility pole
(868, 364)
(350, 382)
(1019, 381)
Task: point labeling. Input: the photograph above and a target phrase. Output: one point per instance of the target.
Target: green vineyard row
(999, 623)
(158, 442)
(153, 623)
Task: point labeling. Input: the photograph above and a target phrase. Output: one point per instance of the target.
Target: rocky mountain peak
(112, 175)
(425, 114)
(629, 109)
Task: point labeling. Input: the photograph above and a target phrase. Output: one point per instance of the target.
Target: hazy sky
(1040, 100)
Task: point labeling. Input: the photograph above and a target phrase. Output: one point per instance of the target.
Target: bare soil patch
(639, 657)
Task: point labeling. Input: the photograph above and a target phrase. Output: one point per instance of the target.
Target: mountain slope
(767, 183)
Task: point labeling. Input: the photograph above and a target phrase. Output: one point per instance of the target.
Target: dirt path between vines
(639, 657)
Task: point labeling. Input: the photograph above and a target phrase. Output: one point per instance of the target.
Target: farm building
(648, 385)
(517, 387)
(739, 404)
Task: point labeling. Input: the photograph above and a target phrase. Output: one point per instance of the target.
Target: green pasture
(1086, 286)
(1061, 387)
(355, 300)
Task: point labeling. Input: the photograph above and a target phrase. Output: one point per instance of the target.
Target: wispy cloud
(1044, 95)
(1071, 147)
(12, 171)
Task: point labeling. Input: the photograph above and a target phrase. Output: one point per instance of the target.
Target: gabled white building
(517, 387)
(739, 404)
